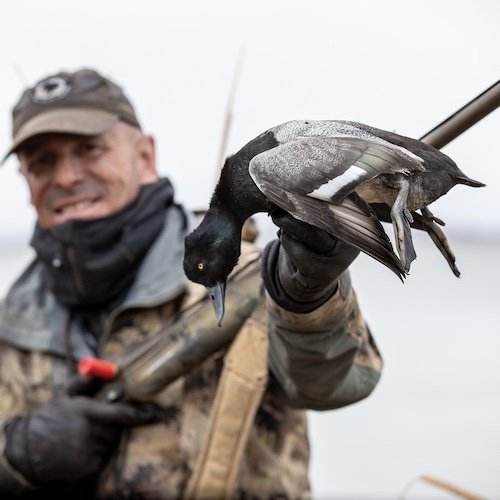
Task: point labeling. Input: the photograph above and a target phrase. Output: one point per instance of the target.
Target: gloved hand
(69, 439)
(302, 268)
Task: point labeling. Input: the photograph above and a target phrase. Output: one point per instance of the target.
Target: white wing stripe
(329, 189)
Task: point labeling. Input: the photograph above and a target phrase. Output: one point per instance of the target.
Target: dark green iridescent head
(212, 250)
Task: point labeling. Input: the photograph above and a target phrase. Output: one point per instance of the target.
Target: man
(107, 276)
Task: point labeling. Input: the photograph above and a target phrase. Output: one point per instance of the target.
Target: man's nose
(67, 171)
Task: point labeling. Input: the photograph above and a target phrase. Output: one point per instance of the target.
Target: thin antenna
(229, 113)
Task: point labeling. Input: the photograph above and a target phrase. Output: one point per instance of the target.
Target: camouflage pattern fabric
(156, 461)
(331, 346)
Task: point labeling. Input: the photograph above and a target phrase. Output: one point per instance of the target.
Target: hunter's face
(80, 177)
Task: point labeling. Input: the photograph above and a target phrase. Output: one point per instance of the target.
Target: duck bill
(217, 294)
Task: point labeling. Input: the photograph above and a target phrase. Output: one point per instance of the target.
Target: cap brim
(64, 121)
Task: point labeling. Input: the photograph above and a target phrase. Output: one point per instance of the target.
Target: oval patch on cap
(51, 89)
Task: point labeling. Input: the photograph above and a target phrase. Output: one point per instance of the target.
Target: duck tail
(463, 179)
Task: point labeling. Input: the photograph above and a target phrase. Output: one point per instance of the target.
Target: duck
(326, 173)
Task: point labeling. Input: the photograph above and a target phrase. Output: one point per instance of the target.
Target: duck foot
(401, 219)
(429, 223)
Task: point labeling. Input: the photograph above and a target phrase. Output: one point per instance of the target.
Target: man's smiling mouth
(77, 207)
(74, 207)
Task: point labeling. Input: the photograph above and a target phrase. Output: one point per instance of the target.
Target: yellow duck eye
(201, 266)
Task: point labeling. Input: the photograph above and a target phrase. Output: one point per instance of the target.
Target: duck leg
(426, 221)
(401, 219)
(429, 223)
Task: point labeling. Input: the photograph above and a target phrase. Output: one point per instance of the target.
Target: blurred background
(396, 65)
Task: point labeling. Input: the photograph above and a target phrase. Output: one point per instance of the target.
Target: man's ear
(147, 159)
(21, 169)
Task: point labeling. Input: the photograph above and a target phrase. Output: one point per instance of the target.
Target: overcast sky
(397, 65)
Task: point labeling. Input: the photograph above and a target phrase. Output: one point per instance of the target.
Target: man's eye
(90, 149)
(39, 163)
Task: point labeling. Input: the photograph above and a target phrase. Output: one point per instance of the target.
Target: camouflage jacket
(324, 359)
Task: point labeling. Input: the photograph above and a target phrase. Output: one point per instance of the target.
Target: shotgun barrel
(185, 344)
(464, 118)
(180, 346)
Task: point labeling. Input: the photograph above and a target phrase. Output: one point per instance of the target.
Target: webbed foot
(429, 223)
(401, 219)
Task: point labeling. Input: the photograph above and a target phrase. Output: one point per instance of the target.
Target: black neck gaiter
(92, 263)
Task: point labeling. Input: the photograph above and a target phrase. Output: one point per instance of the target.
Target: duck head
(211, 252)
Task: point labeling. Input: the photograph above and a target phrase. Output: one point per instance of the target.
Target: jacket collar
(33, 319)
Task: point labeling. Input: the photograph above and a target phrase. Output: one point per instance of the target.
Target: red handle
(98, 368)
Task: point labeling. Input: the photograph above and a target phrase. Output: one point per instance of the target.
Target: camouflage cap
(83, 102)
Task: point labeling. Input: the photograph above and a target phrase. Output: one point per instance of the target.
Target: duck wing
(330, 168)
(351, 220)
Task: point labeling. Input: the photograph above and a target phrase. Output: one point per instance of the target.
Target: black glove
(302, 268)
(69, 439)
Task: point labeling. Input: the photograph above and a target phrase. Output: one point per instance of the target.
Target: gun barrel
(185, 344)
(464, 118)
